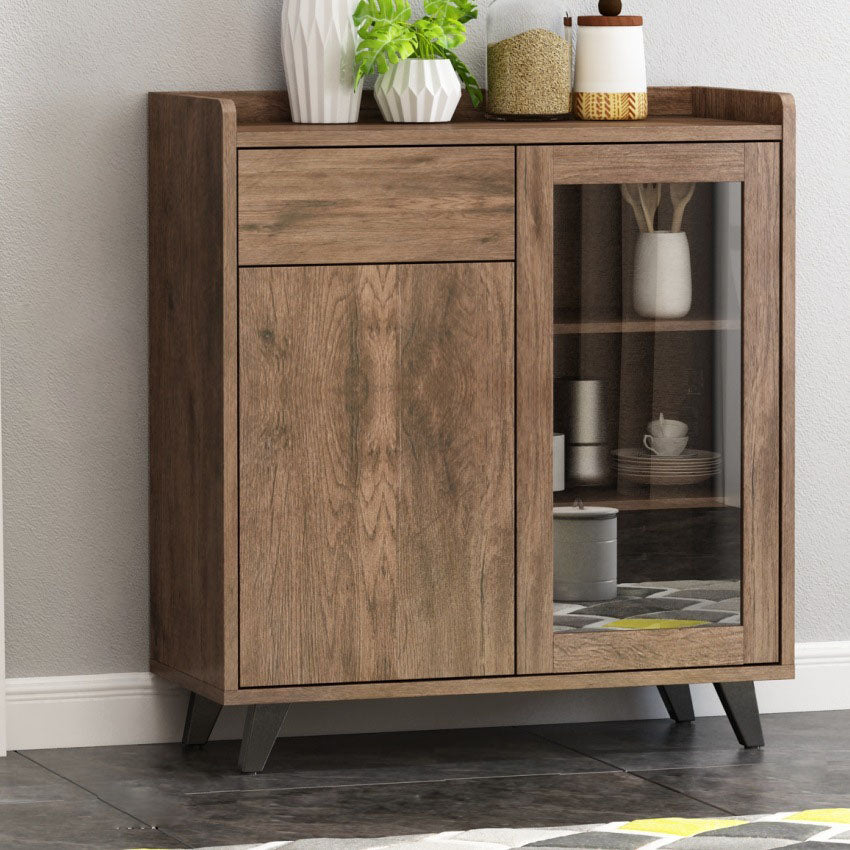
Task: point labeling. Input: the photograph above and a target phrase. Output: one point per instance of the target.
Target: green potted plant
(420, 72)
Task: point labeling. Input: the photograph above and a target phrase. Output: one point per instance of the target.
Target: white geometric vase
(663, 287)
(418, 91)
(318, 41)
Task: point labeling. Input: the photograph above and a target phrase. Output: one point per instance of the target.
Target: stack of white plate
(693, 466)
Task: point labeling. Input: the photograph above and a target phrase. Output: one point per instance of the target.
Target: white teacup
(665, 446)
(662, 427)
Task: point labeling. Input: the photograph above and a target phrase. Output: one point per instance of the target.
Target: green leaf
(475, 93)
(376, 12)
(454, 33)
(386, 44)
(458, 10)
(428, 30)
(438, 9)
(387, 36)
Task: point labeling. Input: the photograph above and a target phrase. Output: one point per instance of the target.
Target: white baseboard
(139, 708)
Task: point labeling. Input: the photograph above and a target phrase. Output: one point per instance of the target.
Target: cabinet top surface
(261, 120)
(484, 132)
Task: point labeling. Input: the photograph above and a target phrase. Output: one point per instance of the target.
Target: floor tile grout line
(682, 794)
(669, 768)
(637, 776)
(636, 770)
(100, 799)
(446, 779)
(577, 752)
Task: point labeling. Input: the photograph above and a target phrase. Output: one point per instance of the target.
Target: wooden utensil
(650, 200)
(680, 195)
(630, 193)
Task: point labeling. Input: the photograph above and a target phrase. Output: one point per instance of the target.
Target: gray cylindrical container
(585, 554)
(587, 465)
(586, 412)
(559, 480)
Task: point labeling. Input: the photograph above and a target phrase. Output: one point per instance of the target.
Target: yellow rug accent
(682, 827)
(835, 816)
(655, 624)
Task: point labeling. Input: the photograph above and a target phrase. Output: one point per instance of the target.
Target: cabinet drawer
(375, 205)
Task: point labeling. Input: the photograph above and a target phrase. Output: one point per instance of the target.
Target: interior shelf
(644, 326)
(612, 499)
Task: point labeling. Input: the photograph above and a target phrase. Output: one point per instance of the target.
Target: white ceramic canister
(610, 81)
(418, 91)
(318, 41)
(663, 286)
(585, 551)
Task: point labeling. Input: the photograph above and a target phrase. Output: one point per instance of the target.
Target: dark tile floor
(377, 785)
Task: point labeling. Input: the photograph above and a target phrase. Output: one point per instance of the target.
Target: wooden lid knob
(610, 8)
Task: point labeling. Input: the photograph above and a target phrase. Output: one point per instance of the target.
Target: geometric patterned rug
(809, 830)
(656, 605)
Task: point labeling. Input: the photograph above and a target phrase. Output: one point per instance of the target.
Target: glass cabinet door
(664, 394)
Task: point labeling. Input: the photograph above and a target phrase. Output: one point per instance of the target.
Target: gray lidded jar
(585, 551)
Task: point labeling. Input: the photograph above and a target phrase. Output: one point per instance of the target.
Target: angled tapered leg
(741, 707)
(201, 716)
(262, 726)
(678, 702)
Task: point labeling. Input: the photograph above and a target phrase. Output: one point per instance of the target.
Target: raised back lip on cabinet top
(677, 114)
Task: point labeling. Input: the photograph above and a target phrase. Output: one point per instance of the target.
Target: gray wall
(73, 77)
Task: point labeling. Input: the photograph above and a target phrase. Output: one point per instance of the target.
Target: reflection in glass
(647, 392)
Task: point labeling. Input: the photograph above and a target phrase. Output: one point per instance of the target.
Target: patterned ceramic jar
(610, 82)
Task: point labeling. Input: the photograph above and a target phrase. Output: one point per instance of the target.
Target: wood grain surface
(740, 105)
(272, 107)
(391, 440)
(193, 457)
(535, 310)
(647, 326)
(585, 652)
(376, 206)
(762, 409)
(789, 273)
(610, 21)
(775, 108)
(701, 163)
(493, 685)
(377, 429)
(661, 128)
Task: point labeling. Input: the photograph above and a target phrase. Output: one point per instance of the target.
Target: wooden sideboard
(356, 337)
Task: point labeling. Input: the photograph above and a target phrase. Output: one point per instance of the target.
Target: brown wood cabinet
(361, 342)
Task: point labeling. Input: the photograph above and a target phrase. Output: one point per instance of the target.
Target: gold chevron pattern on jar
(605, 106)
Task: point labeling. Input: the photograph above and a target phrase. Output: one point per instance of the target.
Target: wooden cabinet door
(699, 579)
(376, 473)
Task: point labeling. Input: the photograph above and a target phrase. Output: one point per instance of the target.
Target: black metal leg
(678, 702)
(201, 716)
(262, 726)
(741, 707)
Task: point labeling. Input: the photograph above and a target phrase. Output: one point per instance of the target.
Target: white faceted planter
(418, 91)
(318, 41)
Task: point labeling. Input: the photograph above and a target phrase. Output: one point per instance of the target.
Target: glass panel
(647, 401)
